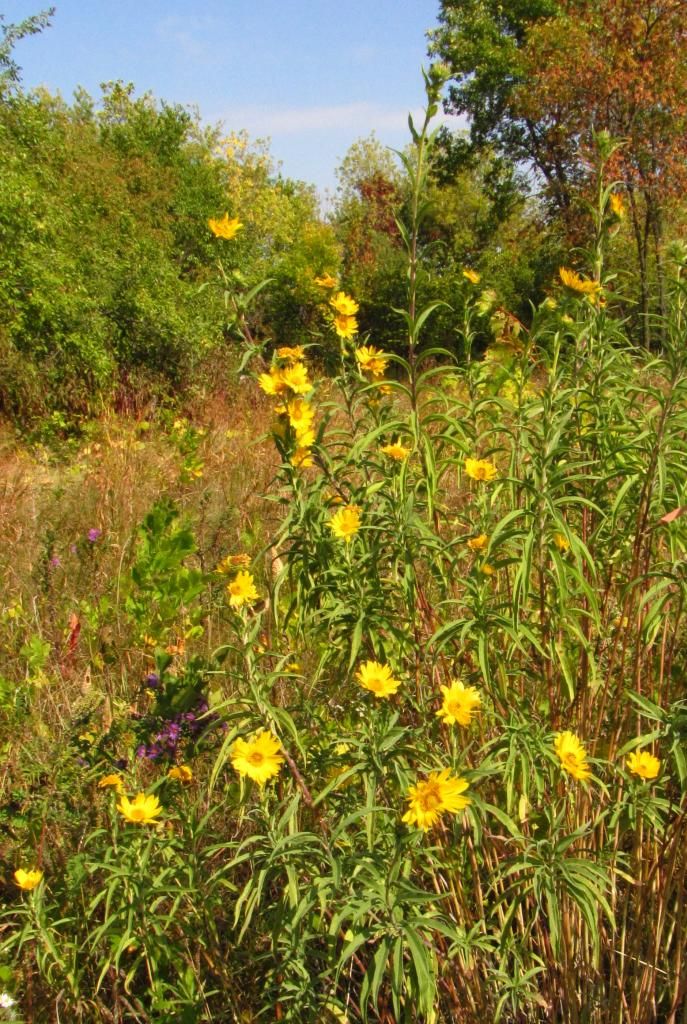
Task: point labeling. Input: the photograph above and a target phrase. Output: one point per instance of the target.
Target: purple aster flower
(55, 563)
(94, 534)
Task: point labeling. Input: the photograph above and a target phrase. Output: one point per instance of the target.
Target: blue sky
(311, 75)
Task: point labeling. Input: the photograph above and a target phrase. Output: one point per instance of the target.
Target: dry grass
(62, 593)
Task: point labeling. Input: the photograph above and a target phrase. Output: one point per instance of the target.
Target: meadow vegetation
(351, 687)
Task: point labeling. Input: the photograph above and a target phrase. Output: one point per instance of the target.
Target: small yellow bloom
(226, 227)
(377, 679)
(294, 353)
(396, 451)
(242, 590)
(486, 569)
(576, 283)
(371, 360)
(112, 780)
(305, 438)
(573, 756)
(142, 810)
(295, 378)
(480, 469)
(460, 703)
(326, 281)
(258, 757)
(301, 414)
(549, 303)
(471, 275)
(231, 562)
(478, 543)
(28, 880)
(180, 772)
(343, 304)
(644, 764)
(561, 541)
(428, 800)
(345, 523)
(272, 383)
(301, 458)
(345, 326)
(617, 205)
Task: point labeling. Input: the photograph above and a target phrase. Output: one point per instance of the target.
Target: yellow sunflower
(478, 543)
(480, 469)
(345, 326)
(579, 284)
(345, 522)
(28, 880)
(242, 590)
(573, 756)
(226, 227)
(460, 703)
(428, 800)
(371, 360)
(326, 281)
(343, 304)
(258, 757)
(396, 451)
(142, 810)
(112, 780)
(378, 679)
(644, 764)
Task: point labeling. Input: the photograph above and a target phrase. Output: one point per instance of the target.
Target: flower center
(430, 799)
(256, 757)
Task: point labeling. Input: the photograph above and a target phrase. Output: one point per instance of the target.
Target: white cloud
(360, 118)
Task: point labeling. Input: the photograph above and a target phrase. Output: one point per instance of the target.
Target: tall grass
(514, 522)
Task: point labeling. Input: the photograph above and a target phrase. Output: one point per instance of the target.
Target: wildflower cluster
(288, 379)
(175, 732)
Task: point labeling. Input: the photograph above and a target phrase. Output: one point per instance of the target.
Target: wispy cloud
(360, 118)
(193, 35)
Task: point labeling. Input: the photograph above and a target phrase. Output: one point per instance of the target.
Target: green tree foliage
(284, 239)
(482, 42)
(370, 195)
(478, 217)
(95, 283)
(10, 73)
(104, 247)
(542, 82)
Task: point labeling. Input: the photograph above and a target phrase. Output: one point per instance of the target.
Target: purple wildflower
(94, 534)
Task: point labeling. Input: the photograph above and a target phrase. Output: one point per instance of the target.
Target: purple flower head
(94, 534)
(55, 563)
(152, 680)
